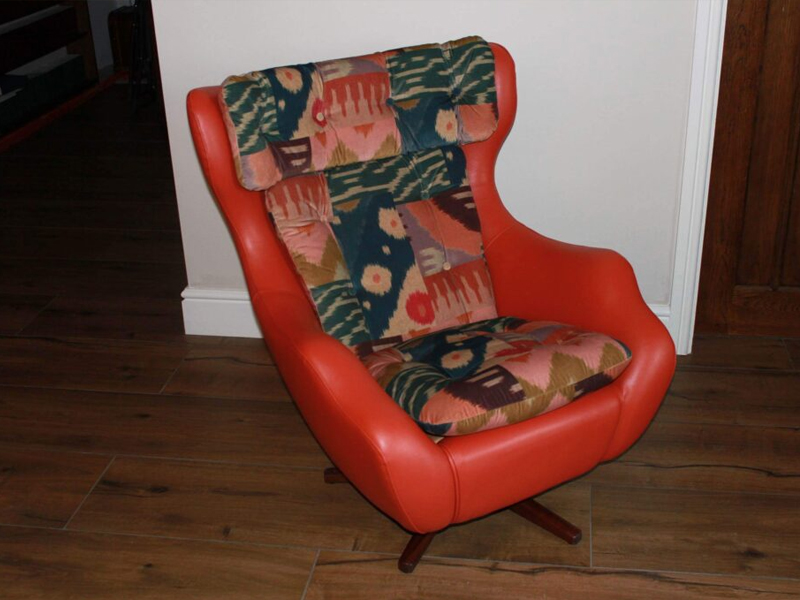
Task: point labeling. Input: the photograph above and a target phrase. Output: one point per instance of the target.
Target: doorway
(750, 275)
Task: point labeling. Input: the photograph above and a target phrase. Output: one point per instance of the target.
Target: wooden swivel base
(529, 509)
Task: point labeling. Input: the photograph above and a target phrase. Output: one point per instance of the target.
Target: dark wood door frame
(750, 274)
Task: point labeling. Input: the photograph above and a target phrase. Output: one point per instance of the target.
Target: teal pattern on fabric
(456, 164)
(438, 170)
(407, 178)
(382, 266)
(390, 175)
(418, 71)
(340, 312)
(431, 83)
(472, 74)
(252, 112)
(413, 386)
(291, 96)
(431, 347)
(417, 120)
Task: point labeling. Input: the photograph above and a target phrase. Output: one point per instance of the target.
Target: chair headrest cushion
(300, 119)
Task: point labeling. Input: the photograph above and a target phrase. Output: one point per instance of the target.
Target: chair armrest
(366, 434)
(538, 278)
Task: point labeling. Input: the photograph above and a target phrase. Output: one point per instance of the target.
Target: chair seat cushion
(495, 372)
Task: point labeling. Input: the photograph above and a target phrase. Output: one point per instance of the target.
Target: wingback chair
(449, 360)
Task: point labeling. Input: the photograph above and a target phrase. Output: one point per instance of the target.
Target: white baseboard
(663, 312)
(228, 312)
(219, 312)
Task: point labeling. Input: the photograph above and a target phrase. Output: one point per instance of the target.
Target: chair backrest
(285, 153)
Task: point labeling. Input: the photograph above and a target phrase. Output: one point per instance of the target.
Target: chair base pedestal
(529, 509)
(334, 475)
(545, 518)
(414, 550)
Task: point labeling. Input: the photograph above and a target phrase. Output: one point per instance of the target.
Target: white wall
(595, 156)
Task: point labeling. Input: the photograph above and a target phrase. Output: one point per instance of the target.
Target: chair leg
(334, 475)
(529, 509)
(414, 550)
(542, 516)
(416, 546)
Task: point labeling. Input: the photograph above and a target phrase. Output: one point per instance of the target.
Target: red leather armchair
(422, 485)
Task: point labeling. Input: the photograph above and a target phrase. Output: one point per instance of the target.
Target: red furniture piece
(426, 486)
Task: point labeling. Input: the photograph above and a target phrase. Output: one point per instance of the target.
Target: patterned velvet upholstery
(493, 373)
(366, 183)
(388, 249)
(305, 118)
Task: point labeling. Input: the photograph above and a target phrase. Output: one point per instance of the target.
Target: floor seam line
(591, 525)
(310, 575)
(170, 378)
(86, 497)
(38, 314)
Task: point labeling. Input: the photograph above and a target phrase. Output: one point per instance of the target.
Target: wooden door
(750, 275)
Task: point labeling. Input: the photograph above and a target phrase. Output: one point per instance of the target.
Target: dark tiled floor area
(137, 462)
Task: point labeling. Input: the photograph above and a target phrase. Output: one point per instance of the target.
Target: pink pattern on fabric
(496, 372)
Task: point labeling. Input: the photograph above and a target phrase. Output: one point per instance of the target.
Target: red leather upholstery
(422, 485)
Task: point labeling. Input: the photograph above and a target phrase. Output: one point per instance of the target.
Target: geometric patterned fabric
(493, 373)
(388, 249)
(305, 118)
(367, 185)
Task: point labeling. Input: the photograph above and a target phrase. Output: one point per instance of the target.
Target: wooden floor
(136, 462)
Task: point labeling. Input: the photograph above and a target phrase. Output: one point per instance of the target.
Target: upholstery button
(446, 266)
(320, 116)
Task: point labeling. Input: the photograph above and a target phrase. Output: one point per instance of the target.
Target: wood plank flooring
(59, 565)
(137, 462)
(350, 576)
